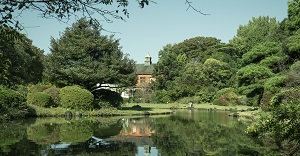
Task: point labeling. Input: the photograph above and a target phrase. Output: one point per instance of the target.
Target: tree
(248, 36)
(82, 56)
(64, 9)
(293, 21)
(21, 62)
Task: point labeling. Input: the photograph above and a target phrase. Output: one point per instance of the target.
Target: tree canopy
(21, 62)
(84, 57)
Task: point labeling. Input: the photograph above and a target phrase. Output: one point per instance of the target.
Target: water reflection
(188, 132)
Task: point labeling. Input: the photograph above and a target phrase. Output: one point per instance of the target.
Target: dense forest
(260, 66)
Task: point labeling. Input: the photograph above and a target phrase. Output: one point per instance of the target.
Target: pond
(187, 132)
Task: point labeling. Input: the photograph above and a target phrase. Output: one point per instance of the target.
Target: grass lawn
(144, 109)
(183, 106)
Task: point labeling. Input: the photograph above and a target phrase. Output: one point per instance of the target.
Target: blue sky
(147, 30)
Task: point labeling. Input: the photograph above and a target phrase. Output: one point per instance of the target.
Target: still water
(187, 132)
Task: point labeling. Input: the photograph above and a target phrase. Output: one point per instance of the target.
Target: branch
(189, 3)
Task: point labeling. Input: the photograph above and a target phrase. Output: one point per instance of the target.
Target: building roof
(144, 68)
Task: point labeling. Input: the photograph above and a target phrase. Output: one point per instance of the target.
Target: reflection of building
(136, 128)
(139, 132)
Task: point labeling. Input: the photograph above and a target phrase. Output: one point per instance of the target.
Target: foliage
(293, 76)
(107, 98)
(285, 97)
(41, 99)
(65, 9)
(227, 99)
(75, 132)
(187, 69)
(247, 35)
(162, 96)
(75, 97)
(274, 84)
(293, 46)
(54, 93)
(43, 134)
(281, 124)
(174, 137)
(186, 100)
(21, 62)
(12, 104)
(9, 135)
(35, 88)
(82, 56)
(224, 91)
(293, 20)
(252, 74)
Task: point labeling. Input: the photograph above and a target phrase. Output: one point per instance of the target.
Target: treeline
(260, 67)
(259, 64)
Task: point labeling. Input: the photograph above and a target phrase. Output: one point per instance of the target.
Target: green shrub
(107, 97)
(12, 104)
(223, 91)
(54, 93)
(281, 124)
(274, 84)
(186, 100)
(284, 97)
(162, 96)
(75, 97)
(35, 88)
(265, 100)
(42, 99)
(228, 99)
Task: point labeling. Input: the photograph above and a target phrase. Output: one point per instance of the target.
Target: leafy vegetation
(12, 104)
(74, 97)
(82, 56)
(254, 69)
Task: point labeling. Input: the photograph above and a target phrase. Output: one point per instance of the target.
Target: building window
(142, 79)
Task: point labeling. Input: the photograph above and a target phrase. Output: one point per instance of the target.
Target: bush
(227, 99)
(281, 124)
(106, 98)
(12, 104)
(54, 93)
(32, 89)
(223, 91)
(75, 97)
(285, 97)
(186, 100)
(162, 96)
(42, 99)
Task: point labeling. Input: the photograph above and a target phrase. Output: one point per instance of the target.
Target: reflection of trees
(106, 130)
(75, 132)
(43, 134)
(10, 134)
(175, 136)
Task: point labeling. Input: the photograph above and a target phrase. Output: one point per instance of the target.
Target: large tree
(20, 61)
(84, 57)
(258, 30)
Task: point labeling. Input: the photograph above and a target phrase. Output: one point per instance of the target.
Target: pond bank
(140, 109)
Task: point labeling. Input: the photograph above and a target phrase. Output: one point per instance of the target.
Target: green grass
(183, 106)
(128, 110)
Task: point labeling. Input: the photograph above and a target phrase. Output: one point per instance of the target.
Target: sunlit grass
(183, 106)
(129, 110)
